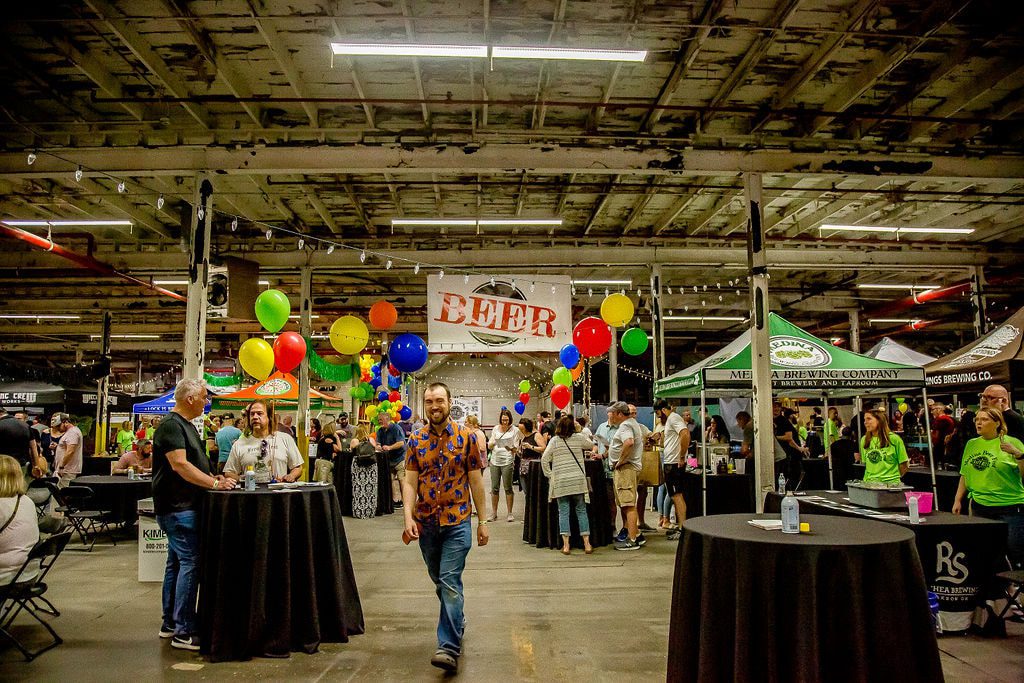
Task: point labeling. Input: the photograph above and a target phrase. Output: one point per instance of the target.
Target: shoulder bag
(651, 472)
(590, 489)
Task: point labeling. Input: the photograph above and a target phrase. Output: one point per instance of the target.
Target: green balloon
(355, 392)
(272, 310)
(385, 405)
(562, 376)
(524, 386)
(634, 341)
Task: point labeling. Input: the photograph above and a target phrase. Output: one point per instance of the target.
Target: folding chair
(73, 501)
(22, 594)
(1013, 580)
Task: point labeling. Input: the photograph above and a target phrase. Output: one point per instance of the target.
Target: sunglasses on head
(263, 448)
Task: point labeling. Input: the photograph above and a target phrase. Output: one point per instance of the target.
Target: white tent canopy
(894, 352)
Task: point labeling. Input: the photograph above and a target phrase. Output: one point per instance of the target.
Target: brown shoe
(445, 660)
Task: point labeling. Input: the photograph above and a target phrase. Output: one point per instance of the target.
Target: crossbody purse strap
(17, 504)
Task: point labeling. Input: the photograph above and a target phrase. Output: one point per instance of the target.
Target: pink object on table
(924, 501)
(692, 462)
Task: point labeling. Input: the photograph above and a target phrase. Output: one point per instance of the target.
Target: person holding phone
(503, 444)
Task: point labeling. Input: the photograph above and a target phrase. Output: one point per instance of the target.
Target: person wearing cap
(141, 459)
(67, 461)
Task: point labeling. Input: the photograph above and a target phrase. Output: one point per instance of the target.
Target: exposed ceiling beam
(410, 34)
(1011, 105)
(144, 52)
(685, 57)
(780, 16)
(322, 210)
(283, 57)
(978, 86)
(357, 83)
(599, 206)
(353, 197)
(91, 67)
(641, 203)
(721, 202)
(636, 13)
(144, 219)
(498, 158)
(830, 43)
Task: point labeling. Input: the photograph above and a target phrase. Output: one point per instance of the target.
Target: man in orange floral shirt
(442, 469)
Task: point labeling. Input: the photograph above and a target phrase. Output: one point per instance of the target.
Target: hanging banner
(498, 314)
(464, 406)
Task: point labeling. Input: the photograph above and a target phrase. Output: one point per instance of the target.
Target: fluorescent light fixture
(65, 224)
(408, 50)
(894, 321)
(702, 318)
(311, 317)
(126, 336)
(894, 230)
(584, 283)
(913, 288)
(474, 222)
(575, 53)
(38, 316)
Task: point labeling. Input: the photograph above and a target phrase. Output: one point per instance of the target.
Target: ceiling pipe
(82, 260)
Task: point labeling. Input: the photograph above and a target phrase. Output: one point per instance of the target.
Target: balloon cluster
(256, 356)
(617, 310)
(524, 397)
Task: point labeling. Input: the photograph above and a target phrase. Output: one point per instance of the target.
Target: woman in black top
(531, 447)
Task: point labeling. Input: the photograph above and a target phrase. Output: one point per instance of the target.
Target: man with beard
(442, 468)
(264, 444)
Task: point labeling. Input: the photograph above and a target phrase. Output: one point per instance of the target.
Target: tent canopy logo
(988, 348)
(791, 352)
(275, 387)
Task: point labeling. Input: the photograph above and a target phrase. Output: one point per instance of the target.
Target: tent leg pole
(828, 445)
(931, 449)
(704, 456)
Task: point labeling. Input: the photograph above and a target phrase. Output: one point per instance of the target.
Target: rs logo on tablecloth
(949, 566)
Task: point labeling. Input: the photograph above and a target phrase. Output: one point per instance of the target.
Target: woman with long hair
(881, 450)
(503, 444)
(562, 463)
(19, 528)
(718, 431)
(992, 476)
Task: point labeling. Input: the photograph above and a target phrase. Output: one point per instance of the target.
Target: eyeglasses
(990, 397)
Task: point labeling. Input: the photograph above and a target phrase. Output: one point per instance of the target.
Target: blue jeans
(577, 503)
(181, 578)
(444, 550)
(664, 501)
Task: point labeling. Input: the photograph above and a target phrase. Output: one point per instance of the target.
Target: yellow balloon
(617, 309)
(371, 412)
(349, 335)
(397, 405)
(257, 358)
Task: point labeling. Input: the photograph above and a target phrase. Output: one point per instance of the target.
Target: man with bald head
(996, 396)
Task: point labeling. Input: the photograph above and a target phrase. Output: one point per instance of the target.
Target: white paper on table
(766, 524)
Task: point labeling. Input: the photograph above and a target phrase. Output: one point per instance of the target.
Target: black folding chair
(22, 595)
(1014, 587)
(73, 502)
(42, 484)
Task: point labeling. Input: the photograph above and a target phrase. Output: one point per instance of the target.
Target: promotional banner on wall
(464, 406)
(498, 314)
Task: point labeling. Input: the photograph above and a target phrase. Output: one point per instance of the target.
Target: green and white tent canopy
(802, 364)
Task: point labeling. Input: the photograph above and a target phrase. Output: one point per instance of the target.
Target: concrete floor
(534, 615)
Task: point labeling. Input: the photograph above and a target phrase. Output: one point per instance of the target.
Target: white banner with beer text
(498, 314)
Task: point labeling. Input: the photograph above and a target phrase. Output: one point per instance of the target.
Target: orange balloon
(383, 315)
(577, 371)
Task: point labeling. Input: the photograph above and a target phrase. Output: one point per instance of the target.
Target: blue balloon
(519, 407)
(382, 396)
(570, 356)
(405, 413)
(375, 369)
(394, 382)
(375, 382)
(408, 353)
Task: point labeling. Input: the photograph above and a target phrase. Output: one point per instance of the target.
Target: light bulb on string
(121, 187)
(737, 292)
(416, 269)
(201, 212)
(387, 266)
(686, 308)
(668, 290)
(513, 283)
(590, 292)
(302, 243)
(718, 285)
(440, 274)
(268, 234)
(78, 174)
(330, 249)
(703, 302)
(362, 256)
(704, 287)
(234, 224)
(159, 202)
(465, 279)
(695, 289)
(552, 289)
(31, 158)
(532, 287)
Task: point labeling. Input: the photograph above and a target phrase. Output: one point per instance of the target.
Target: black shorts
(674, 477)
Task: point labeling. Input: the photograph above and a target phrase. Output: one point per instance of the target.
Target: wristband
(216, 484)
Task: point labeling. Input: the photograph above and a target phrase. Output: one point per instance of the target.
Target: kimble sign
(498, 314)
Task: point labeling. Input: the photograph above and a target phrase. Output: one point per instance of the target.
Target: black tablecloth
(726, 493)
(276, 576)
(921, 479)
(97, 464)
(815, 474)
(540, 521)
(117, 495)
(846, 602)
(959, 554)
(343, 482)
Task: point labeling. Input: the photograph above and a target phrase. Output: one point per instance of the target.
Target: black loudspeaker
(244, 278)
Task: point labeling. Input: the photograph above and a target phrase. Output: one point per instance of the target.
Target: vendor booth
(996, 358)
(894, 352)
(283, 389)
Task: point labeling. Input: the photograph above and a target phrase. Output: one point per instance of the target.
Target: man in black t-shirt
(785, 434)
(996, 396)
(16, 441)
(181, 471)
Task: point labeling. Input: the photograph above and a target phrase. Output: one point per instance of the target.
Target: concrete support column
(198, 278)
(979, 303)
(855, 331)
(613, 368)
(761, 384)
(657, 325)
(306, 330)
(102, 391)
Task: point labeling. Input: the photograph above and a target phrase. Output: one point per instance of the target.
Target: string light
(362, 256)
(302, 243)
(78, 174)
(234, 224)
(465, 279)
(668, 289)
(416, 269)
(201, 212)
(160, 205)
(122, 186)
(513, 283)
(31, 159)
(440, 274)
(532, 287)
(695, 289)
(268, 235)
(590, 292)
(553, 289)
(330, 249)
(388, 264)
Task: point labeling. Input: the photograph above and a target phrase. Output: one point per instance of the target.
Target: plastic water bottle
(250, 479)
(781, 490)
(131, 473)
(915, 515)
(790, 515)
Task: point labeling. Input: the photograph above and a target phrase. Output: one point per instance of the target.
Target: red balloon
(394, 396)
(383, 315)
(560, 395)
(289, 350)
(592, 337)
(393, 371)
(524, 397)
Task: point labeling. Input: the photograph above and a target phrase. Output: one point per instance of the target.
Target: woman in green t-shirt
(833, 426)
(992, 472)
(882, 452)
(125, 438)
